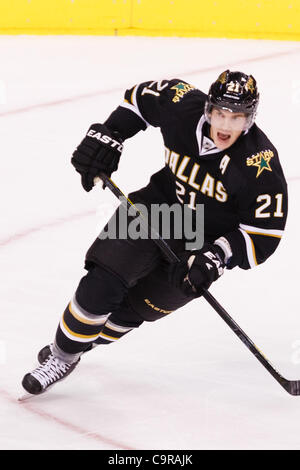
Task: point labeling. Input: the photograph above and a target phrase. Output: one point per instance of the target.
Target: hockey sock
(98, 293)
(78, 329)
(111, 332)
(119, 324)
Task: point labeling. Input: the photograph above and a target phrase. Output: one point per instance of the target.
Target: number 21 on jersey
(265, 201)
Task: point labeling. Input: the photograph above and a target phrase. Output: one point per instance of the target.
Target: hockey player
(215, 156)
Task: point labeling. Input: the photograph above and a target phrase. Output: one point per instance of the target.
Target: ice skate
(47, 374)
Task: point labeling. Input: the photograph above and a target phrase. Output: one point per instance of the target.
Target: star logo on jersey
(181, 89)
(261, 161)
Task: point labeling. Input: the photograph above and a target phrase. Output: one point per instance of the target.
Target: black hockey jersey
(243, 188)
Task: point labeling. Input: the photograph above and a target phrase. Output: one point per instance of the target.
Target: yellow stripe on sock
(85, 320)
(107, 336)
(77, 335)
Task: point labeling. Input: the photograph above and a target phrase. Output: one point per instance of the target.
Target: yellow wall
(274, 19)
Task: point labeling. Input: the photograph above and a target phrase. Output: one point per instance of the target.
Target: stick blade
(293, 387)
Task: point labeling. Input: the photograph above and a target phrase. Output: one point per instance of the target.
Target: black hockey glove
(197, 269)
(100, 151)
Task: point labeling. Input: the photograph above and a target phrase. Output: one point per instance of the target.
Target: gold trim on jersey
(253, 252)
(261, 231)
(250, 249)
(264, 234)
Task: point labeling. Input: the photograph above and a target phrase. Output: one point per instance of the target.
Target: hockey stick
(291, 386)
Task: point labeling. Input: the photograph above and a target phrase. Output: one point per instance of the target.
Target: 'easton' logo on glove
(105, 139)
(216, 260)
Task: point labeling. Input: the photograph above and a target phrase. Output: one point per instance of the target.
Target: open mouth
(223, 137)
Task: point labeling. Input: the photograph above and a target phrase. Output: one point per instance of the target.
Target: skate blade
(26, 396)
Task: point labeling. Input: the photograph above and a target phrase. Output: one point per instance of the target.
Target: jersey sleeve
(262, 208)
(145, 105)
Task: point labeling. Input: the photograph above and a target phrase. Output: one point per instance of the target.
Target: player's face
(226, 127)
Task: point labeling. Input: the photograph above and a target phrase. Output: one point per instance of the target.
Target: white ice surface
(186, 381)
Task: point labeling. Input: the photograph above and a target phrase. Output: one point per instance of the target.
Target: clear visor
(225, 119)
